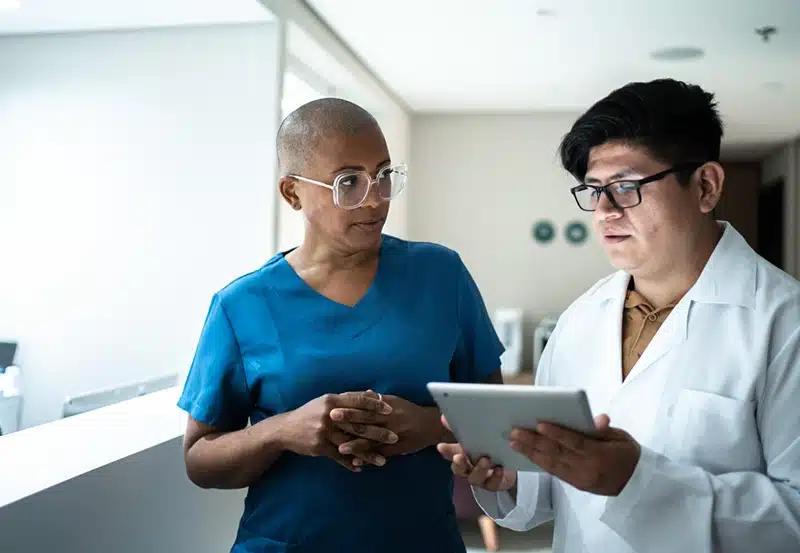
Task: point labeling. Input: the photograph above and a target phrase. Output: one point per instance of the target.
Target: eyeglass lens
(352, 188)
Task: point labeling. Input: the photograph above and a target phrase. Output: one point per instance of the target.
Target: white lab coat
(714, 402)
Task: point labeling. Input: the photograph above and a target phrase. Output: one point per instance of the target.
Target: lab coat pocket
(715, 432)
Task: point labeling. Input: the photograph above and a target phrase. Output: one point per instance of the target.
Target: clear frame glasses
(351, 188)
(622, 194)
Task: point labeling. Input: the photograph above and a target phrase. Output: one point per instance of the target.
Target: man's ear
(288, 189)
(711, 181)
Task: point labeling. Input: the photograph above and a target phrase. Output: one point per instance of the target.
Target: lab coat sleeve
(534, 505)
(670, 507)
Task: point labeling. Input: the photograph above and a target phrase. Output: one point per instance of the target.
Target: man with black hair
(693, 347)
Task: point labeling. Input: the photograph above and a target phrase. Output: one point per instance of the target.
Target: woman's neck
(319, 253)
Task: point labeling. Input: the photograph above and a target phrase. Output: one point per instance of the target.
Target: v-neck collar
(319, 311)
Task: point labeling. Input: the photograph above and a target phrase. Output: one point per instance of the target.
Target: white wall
(143, 503)
(479, 182)
(136, 171)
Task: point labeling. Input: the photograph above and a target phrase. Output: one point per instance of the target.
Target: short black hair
(674, 121)
(303, 129)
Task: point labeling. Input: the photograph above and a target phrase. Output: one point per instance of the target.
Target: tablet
(482, 416)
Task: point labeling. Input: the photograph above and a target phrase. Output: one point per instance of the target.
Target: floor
(538, 540)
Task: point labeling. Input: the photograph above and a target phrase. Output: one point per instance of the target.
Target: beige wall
(478, 183)
(785, 163)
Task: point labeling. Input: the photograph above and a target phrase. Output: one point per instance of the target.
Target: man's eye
(348, 181)
(624, 187)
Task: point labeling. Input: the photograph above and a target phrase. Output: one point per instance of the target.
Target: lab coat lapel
(671, 334)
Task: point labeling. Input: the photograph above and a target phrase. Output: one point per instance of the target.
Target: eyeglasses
(622, 194)
(351, 188)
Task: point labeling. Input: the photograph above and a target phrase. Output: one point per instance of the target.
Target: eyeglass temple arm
(311, 181)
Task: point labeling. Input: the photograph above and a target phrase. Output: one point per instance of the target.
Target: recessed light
(773, 85)
(544, 12)
(9, 4)
(677, 53)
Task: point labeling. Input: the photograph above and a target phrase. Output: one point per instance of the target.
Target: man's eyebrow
(627, 172)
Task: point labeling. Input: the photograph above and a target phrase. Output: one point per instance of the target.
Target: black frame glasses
(626, 186)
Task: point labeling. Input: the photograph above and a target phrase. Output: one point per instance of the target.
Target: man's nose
(606, 210)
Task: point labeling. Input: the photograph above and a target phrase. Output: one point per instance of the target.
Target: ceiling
(53, 16)
(507, 56)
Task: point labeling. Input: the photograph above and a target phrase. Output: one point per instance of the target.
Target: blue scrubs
(271, 343)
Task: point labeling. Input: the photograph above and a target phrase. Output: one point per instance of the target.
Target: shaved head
(303, 130)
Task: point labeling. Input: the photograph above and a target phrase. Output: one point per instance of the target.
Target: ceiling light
(544, 12)
(9, 4)
(677, 53)
(773, 85)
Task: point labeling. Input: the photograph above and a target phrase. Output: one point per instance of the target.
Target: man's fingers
(495, 481)
(366, 401)
(374, 433)
(446, 424)
(564, 436)
(461, 465)
(481, 472)
(602, 422)
(358, 415)
(448, 451)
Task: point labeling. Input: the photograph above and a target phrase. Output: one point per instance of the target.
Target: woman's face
(349, 229)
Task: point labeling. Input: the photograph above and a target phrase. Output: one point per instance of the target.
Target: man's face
(648, 239)
(351, 229)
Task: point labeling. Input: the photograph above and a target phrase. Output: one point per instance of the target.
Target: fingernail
(541, 428)
(489, 473)
(336, 415)
(346, 450)
(514, 445)
(385, 408)
(380, 461)
(393, 438)
(357, 462)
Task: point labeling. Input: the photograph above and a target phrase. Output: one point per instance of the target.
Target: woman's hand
(416, 427)
(310, 430)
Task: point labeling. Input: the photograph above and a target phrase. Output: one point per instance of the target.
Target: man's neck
(669, 288)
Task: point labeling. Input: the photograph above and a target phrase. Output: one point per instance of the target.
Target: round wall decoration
(576, 232)
(544, 232)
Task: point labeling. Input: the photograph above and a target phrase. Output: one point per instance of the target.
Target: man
(693, 348)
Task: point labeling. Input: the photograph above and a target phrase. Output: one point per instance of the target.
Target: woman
(326, 350)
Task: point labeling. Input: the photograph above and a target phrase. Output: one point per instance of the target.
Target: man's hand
(483, 474)
(416, 428)
(602, 464)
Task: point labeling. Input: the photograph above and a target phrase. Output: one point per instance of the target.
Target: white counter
(43, 456)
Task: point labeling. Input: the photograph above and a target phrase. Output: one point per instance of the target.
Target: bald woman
(326, 351)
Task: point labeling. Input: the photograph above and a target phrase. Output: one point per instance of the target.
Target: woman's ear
(711, 180)
(288, 189)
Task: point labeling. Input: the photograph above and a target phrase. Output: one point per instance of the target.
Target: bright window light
(9, 4)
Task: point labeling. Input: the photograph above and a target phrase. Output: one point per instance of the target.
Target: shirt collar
(729, 276)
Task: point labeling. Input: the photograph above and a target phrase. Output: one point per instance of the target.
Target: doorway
(771, 223)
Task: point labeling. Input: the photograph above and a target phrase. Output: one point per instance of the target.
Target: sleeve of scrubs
(479, 349)
(534, 505)
(669, 507)
(215, 391)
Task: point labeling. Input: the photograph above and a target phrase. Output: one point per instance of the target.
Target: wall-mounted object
(576, 232)
(544, 231)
